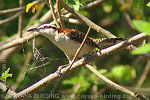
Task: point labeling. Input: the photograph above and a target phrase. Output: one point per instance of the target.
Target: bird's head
(44, 29)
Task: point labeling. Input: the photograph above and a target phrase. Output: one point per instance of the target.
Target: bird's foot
(60, 69)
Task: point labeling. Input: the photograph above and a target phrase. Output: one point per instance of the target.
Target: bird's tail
(102, 42)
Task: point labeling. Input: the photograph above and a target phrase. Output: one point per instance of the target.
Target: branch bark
(12, 10)
(46, 18)
(53, 13)
(18, 41)
(73, 60)
(11, 18)
(51, 77)
(20, 21)
(96, 27)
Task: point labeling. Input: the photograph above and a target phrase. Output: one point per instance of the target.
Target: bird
(69, 40)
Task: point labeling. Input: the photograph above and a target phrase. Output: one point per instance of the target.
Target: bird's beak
(33, 30)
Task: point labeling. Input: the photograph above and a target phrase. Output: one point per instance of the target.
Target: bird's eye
(45, 27)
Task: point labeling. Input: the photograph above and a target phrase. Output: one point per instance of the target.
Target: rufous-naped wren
(69, 40)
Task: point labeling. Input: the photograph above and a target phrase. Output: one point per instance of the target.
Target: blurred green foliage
(73, 3)
(123, 73)
(121, 67)
(142, 26)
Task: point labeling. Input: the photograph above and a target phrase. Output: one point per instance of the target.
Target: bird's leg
(69, 57)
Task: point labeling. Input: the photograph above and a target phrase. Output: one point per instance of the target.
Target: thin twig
(65, 18)
(132, 93)
(129, 20)
(145, 90)
(79, 49)
(9, 39)
(127, 16)
(73, 60)
(144, 74)
(11, 18)
(53, 13)
(93, 4)
(11, 51)
(96, 27)
(20, 21)
(75, 91)
(109, 81)
(71, 20)
(18, 41)
(12, 10)
(59, 14)
(136, 61)
(104, 52)
(48, 16)
(87, 21)
(20, 77)
(34, 17)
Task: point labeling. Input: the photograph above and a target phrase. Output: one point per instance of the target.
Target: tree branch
(143, 76)
(51, 77)
(71, 20)
(127, 17)
(12, 10)
(34, 17)
(8, 53)
(53, 13)
(116, 86)
(87, 21)
(20, 21)
(96, 27)
(59, 14)
(11, 18)
(73, 60)
(22, 72)
(18, 41)
(93, 4)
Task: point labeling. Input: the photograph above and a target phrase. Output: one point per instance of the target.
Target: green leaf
(148, 4)
(71, 81)
(123, 72)
(84, 83)
(77, 5)
(73, 3)
(142, 26)
(137, 3)
(142, 50)
(103, 71)
(85, 13)
(5, 75)
(107, 8)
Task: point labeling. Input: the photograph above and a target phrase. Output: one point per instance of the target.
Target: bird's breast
(69, 46)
